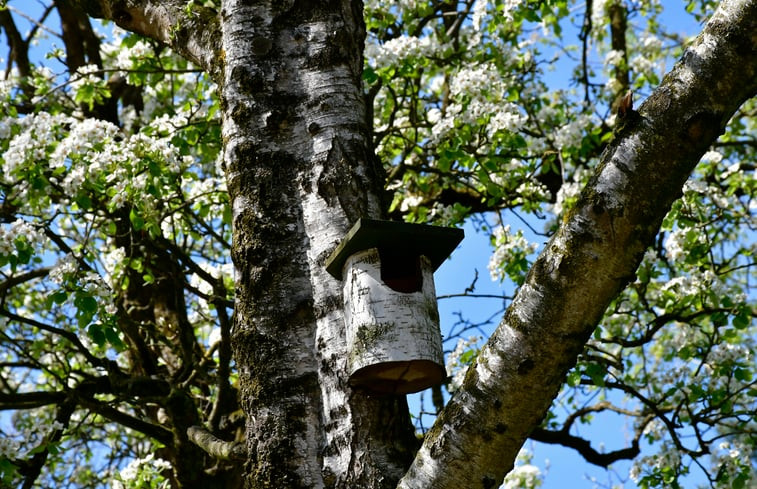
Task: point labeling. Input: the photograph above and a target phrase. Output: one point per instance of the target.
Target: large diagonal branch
(191, 30)
(591, 258)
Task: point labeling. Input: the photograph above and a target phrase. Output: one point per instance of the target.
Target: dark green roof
(399, 238)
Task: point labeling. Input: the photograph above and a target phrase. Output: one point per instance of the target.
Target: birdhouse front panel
(392, 323)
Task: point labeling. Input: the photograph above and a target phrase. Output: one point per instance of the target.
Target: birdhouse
(390, 312)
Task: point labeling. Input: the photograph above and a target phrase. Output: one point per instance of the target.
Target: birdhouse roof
(395, 238)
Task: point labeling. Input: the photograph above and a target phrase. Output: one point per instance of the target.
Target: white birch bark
(299, 172)
(393, 338)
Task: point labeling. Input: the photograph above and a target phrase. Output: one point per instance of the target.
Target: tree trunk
(592, 256)
(299, 172)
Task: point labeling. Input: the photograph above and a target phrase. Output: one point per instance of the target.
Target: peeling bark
(590, 259)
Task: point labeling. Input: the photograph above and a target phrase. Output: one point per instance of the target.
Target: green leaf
(154, 168)
(719, 318)
(741, 320)
(597, 373)
(739, 482)
(23, 251)
(227, 214)
(86, 303)
(113, 337)
(85, 95)
(84, 202)
(742, 374)
(7, 470)
(574, 378)
(369, 75)
(59, 297)
(136, 264)
(95, 332)
(531, 14)
(136, 220)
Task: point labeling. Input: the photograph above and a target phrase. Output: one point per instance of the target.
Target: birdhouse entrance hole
(401, 272)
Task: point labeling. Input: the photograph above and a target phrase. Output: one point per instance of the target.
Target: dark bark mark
(336, 184)
(261, 46)
(703, 127)
(525, 366)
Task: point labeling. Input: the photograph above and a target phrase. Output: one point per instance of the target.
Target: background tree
(124, 179)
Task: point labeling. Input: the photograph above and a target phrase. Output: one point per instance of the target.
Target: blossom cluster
(524, 475)
(511, 250)
(402, 48)
(477, 93)
(140, 471)
(19, 230)
(459, 359)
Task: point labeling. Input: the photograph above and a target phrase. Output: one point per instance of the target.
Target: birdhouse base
(400, 377)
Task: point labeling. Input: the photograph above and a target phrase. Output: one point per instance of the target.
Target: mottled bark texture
(299, 172)
(591, 258)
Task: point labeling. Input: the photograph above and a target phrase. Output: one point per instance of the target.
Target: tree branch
(192, 31)
(224, 450)
(593, 255)
(618, 24)
(58, 331)
(584, 447)
(30, 400)
(159, 433)
(33, 467)
(15, 280)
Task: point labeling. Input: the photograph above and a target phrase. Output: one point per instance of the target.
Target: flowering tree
(140, 160)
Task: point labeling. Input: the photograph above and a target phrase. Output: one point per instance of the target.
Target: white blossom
(524, 474)
(396, 50)
(479, 12)
(85, 75)
(65, 266)
(128, 57)
(712, 156)
(675, 245)
(456, 368)
(19, 230)
(569, 191)
(508, 246)
(571, 134)
(142, 470)
(614, 57)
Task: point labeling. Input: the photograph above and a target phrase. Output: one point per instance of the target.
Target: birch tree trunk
(299, 172)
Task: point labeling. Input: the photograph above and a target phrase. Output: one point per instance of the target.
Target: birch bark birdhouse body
(390, 310)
